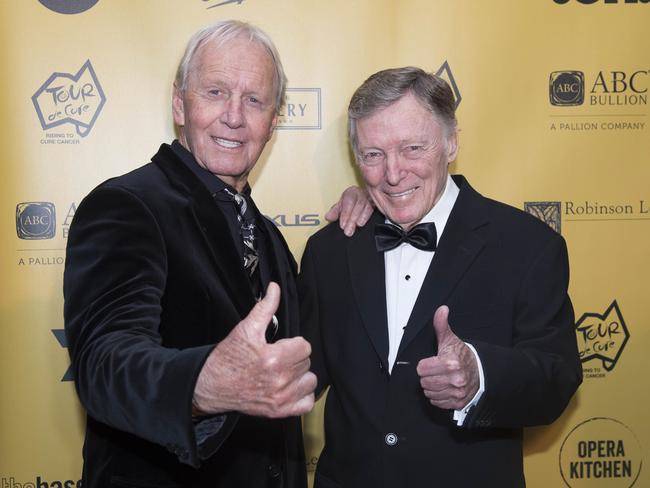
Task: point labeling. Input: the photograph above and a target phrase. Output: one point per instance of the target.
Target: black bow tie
(389, 236)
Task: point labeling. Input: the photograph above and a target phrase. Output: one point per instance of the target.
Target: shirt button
(274, 471)
(390, 439)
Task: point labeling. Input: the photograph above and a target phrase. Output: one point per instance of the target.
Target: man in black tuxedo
(444, 326)
(186, 380)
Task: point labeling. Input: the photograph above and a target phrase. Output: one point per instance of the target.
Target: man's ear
(452, 146)
(178, 106)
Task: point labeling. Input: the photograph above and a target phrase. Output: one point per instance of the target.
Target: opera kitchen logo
(607, 88)
(602, 337)
(65, 98)
(600, 452)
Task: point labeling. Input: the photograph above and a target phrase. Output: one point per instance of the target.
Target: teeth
(404, 193)
(226, 142)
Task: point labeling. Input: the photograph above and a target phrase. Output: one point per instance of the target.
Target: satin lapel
(212, 225)
(458, 247)
(366, 267)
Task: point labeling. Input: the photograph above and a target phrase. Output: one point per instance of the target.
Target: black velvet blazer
(152, 282)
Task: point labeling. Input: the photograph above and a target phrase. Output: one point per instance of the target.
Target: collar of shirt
(212, 182)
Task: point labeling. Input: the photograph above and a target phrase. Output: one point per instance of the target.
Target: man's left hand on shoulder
(353, 210)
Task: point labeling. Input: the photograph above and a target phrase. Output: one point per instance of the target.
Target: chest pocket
(491, 324)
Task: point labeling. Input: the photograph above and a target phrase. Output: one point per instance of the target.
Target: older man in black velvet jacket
(187, 381)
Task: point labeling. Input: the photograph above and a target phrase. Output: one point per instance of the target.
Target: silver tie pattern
(246, 221)
(247, 227)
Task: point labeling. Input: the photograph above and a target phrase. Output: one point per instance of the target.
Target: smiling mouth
(227, 143)
(402, 193)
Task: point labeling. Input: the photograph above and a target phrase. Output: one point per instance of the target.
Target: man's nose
(233, 115)
(394, 169)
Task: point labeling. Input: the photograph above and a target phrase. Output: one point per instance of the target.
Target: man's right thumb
(262, 313)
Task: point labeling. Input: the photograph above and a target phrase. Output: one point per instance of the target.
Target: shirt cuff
(206, 427)
(459, 415)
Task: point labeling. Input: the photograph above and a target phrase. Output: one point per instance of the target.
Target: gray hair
(388, 86)
(222, 32)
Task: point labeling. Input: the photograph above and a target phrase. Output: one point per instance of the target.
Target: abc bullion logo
(600, 452)
(68, 6)
(602, 337)
(35, 220)
(548, 212)
(609, 88)
(65, 98)
(567, 87)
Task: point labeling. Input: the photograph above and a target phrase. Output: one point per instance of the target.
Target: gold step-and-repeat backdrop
(553, 112)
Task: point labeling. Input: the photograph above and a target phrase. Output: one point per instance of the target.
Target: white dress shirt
(406, 268)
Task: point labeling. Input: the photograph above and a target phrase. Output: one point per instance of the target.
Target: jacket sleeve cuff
(459, 415)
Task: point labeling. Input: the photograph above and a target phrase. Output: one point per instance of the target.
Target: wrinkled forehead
(239, 53)
(403, 121)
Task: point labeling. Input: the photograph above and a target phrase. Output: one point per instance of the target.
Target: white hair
(222, 32)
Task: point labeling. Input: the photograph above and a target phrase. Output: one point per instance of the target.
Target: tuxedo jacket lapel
(458, 247)
(212, 225)
(369, 286)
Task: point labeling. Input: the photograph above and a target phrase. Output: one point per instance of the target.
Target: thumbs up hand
(246, 374)
(451, 378)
